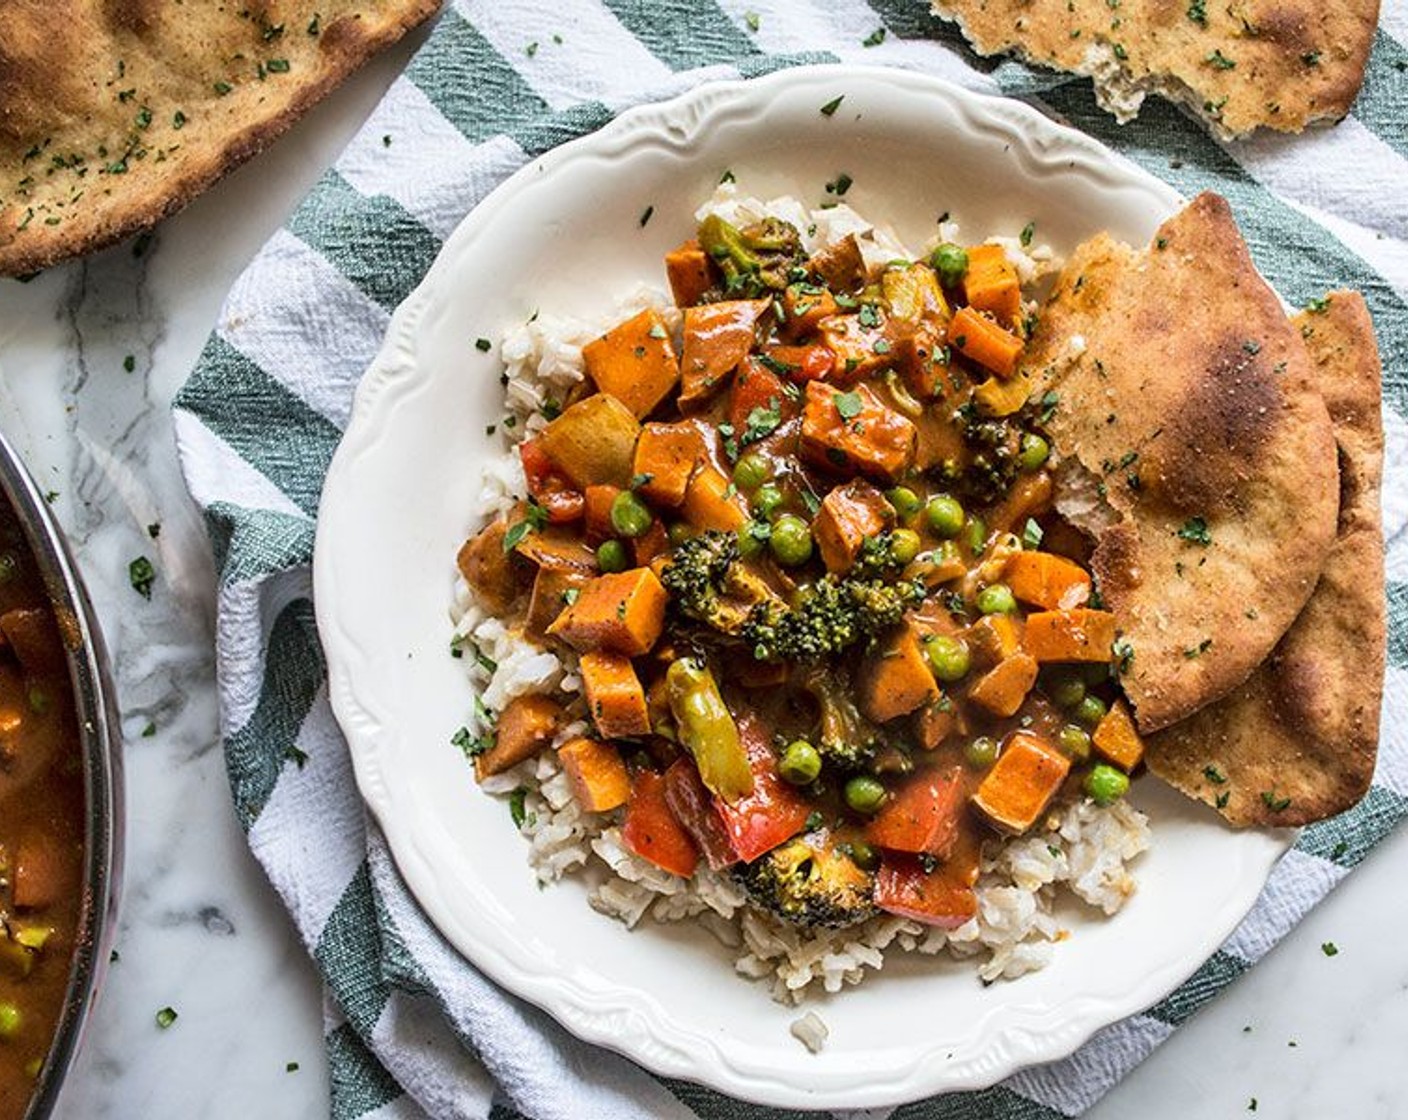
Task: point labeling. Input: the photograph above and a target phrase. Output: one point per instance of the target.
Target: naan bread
(1196, 448)
(115, 113)
(1278, 63)
(1297, 741)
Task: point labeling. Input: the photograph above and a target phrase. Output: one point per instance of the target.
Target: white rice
(1082, 847)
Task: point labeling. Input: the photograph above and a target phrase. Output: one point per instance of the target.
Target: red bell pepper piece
(651, 829)
(804, 363)
(936, 898)
(774, 811)
(549, 487)
(757, 387)
(693, 806)
(924, 815)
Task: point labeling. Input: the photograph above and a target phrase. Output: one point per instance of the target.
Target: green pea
(749, 544)
(976, 535)
(1074, 741)
(1096, 672)
(863, 855)
(629, 515)
(904, 545)
(1090, 711)
(611, 556)
(950, 261)
(1034, 451)
(791, 540)
(980, 753)
(11, 1019)
(905, 501)
(864, 794)
(800, 763)
(1065, 689)
(751, 471)
(767, 499)
(1105, 784)
(997, 598)
(680, 532)
(948, 657)
(945, 515)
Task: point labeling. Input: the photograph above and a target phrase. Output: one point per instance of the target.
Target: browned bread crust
(1297, 742)
(1191, 428)
(1281, 64)
(116, 113)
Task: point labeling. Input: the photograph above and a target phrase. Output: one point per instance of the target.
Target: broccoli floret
(707, 584)
(810, 881)
(845, 739)
(831, 615)
(755, 260)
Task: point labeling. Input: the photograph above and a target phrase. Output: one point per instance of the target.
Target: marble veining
(1305, 1034)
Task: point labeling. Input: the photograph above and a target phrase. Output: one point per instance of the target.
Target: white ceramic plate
(565, 234)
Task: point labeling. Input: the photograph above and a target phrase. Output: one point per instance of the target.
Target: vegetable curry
(41, 821)
(831, 632)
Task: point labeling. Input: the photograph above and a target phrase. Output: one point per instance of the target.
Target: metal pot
(99, 739)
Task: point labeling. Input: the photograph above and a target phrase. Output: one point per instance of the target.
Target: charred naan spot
(1115, 562)
(1217, 436)
(342, 35)
(137, 17)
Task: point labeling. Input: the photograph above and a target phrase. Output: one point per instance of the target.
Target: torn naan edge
(116, 113)
(1195, 448)
(1297, 742)
(1282, 64)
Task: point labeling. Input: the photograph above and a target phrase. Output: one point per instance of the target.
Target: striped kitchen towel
(412, 1029)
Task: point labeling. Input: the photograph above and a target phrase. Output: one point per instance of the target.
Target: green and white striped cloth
(412, 1029)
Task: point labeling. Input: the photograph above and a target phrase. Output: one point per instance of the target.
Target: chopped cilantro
(165, 1017)
(829, 109)
(129, 363)
(277, 66)
(534, 519)
(483, 345)
(848, 404)
(141, 575)
(1031, 535)
(645, 215)
(753, 20)
(1213, 774)
(762, 422)
(1318, 306)
(1028, 232)
(1198, 11)
(1195, 530)
(516, 810)
(874, 39)
(1330, 949)
(1274, 803)
(1219, 61)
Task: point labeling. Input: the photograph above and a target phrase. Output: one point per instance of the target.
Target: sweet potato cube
(593, 441)
(597, 520)
(526, 725)
(717, 336)
(1117, 739)
(1047, 581)
(994, 638)
(895, 677)
(688, 270)
(840, 265)
(991, 284)
(934, 722)
(488, 569)
(860, 350)
(622, 612)
(1030, 495)
(556, 548)
(921, 361)
(710, 503)
(804, 306)
(855, 430)
(923, 815)
(848, 515)
(599, 779)
(1002, 688)
(552, 587)
(654, 542)
(1021, 783)
(1080, 634)
(614, 694)
(981, 340)
(666, 455)
(635, 362)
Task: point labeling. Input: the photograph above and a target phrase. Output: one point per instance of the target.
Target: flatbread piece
(1281, 64)
(1195, 448)
(115, 113)
(1297, 741)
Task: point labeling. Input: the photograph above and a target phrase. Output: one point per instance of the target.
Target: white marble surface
(201, 931)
